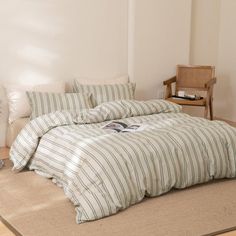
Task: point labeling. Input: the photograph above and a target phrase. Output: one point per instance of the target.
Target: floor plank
(232, 233)
(4, 231)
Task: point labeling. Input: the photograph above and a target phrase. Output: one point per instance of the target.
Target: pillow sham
(44, 103)
(98, 81)
(19, 106)
(106, 92)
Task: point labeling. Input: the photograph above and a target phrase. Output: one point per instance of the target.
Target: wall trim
(233, 123)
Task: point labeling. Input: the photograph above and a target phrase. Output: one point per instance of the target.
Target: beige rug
(34, 206)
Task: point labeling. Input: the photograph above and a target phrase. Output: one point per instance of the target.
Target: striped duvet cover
(103, 172)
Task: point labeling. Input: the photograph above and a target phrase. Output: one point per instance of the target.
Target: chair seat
(201, 102)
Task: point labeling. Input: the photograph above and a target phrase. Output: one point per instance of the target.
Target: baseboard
(233, 123)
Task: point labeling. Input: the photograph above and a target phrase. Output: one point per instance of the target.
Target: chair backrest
(193, 76)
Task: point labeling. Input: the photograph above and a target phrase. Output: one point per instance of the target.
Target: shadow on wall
(224, 105)
(33, 56)
(44, 41)
(156, 90)
(3, 116)
(57, 40)
(194, 111)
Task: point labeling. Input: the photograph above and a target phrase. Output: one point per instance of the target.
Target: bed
(103, 172)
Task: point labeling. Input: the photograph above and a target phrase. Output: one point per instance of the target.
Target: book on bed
(122, 127)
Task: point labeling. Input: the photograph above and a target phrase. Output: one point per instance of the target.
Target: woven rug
(34, 206)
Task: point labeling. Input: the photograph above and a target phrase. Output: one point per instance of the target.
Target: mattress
(14, 129)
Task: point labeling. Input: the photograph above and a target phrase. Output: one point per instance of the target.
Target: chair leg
(209, 104)
(211, 109)
(206, 112)
(168, 92)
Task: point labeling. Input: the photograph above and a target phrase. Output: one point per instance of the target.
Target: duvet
(103, 172)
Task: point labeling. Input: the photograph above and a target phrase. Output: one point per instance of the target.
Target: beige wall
(51, 40)
(48, 39)
(225, 99)
(204, 31)
(213, 42)
(161, 40)
(204, 38)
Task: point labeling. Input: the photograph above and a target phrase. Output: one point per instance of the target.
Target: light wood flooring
(4, 231)
(232, 233)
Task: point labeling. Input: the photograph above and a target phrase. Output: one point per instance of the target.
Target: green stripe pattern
(103, 172)
(106, 93)
(44, 103)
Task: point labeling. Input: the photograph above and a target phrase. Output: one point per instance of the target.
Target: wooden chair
(194, 78)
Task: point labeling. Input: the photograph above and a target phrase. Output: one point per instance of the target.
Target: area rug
(34, 206)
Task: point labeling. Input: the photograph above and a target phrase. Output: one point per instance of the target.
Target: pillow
(119, 80)
(19, 106)
(106, 92)
(44, 103)
(14, 129)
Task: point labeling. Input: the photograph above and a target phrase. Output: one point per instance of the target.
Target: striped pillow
(106, 92)
(44, 103)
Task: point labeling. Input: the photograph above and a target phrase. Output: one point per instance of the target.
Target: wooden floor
(232, 233)
(4, 231)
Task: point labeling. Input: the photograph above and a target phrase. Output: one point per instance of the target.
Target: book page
(134, 128)
(115, 125)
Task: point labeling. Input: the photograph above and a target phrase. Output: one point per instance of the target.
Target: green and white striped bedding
(44, 103)
(106, 92)
(103, 172)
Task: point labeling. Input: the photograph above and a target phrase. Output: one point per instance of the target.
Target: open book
(122, 127)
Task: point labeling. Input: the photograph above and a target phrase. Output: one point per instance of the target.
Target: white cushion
(14, 129)
(98, 81)
(19, 106)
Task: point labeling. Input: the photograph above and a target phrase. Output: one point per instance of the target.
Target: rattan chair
(194, 78)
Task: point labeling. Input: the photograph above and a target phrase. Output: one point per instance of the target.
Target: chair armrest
(170, 81)
(210, 82)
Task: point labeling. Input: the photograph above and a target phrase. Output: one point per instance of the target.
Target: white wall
(213, 42)
(204, 39)
(161, 41)
(225, 96)
(205, 32)
(51, 40)
(60, 39)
